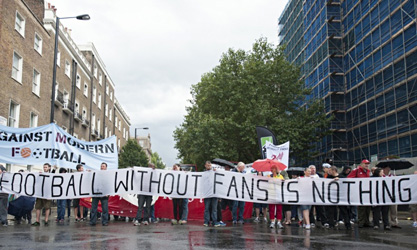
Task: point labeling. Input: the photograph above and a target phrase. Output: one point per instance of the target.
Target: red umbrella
(266, 164)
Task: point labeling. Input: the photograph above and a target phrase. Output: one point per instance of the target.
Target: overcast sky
(154, 50)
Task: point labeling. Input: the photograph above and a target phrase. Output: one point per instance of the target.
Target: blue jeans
(241, 205)
(144, 200)
(210, 204)
(184, 209)
(61, 204)
(68, 203)
(104, 208)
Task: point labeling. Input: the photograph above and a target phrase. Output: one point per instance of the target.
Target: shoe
(341, 223)
(36, 224)
(61, 221)
(308, 227)
(92, 224)
(222, 224)
(265, 220)
(326, 225)
(396, 226)
(272, 224)
(300, 223)
(376, 227)
(414, 224)
(387, 228)
(256, 220)
(217, 224)
(4, 224)
(83, 219)
(145, 223)
(183, 222)
(279, 225)
(174, 222)
(46, 223)
(313, 225)
(287, 223)
(241, 222)
(105, 224)
(205, 224)
(136, 223)
(235, 222)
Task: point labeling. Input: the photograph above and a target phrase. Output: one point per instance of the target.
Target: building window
(36, 82)
(93, 122)
(20, 24)
(109, 133)
(99, 101)
(78, 81)
(94, 94)
(107, 89)
(84, 113)
(95, 71)
(106, 109)
(98, 126)
(115, 121)
(120, 125)
(38, 43)
(85, 89)
(100, 78)
(124, 133)
(111, 96)
(75, 135)
(105, 132)
(77, 107)
(17, 67)
(110, 114)
(65, 129)
(67, 68)
(14, 112)
(33, 120)
(58, 58)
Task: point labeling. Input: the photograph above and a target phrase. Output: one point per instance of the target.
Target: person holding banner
(144, 201)
(239, 204)
(43, 203)
(4, 198)
(259, 206)
(377, 210)
(393, 208)
(210, 204)
(61, 203)
(104, 205)
(176, 203)
(305, 209)
(413, 210)
(76, 202)
(275, 210)
(362, 171)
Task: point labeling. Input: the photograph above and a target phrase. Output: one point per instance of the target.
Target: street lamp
(80, 17)
(144, 128)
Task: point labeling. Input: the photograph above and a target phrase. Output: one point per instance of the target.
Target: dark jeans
(363, 215)
(331, 212)
(177, 204)
(344, 214)
(376, 213)
(68, 207)
(61, 204)
(144, 200)
(104, 207)
(241, 206)
(4, 199)
(320, 215)
(210, 210)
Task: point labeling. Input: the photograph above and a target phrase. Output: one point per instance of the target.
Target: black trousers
(344, 214)
(177, 204)
(376, 214)
(320, 214)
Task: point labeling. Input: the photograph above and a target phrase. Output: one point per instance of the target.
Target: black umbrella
(395, 164)
(223, 163)
(295, 171)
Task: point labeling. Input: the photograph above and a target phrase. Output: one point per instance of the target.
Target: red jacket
(359, 173)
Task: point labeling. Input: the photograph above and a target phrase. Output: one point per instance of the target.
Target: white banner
(278, 152)
(51, 144)
(222, 184)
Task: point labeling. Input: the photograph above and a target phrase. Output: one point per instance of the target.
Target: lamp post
(144, 128)
(80, 17)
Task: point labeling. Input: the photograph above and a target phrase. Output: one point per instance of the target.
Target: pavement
(163, 235)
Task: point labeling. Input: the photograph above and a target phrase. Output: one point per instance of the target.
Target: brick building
(85, 104)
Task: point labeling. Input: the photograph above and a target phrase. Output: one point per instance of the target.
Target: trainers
(313, 225)
(205, 224)
(279, 225)
(241, 222)
(265, 220)
(388, 228)
(308, 226)
(174, 222)
(217, 224)
(145, 223)
(136, 223)
(326, 225)
(272, 224)
(36, 224)
(414, 224)
(183, 222)
(222, 224)
(376, 227)
(235, 222)
(256, 220)
(341, 222)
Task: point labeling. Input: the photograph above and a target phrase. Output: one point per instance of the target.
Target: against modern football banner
(51, 144)
(222, 184)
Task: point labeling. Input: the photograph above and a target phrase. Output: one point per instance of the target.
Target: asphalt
(163, 235)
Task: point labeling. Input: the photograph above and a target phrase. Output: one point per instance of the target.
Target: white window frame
(15, 118)
(106, 109)
(120, 125)
(100, 78)
(124, 133)
(78, 81)
(17, 68)
(36, 82)
(75, 135)
(98, 126)
(94, 94)
(33, 121)
(84, 114)
(67, 69)
(20, 26)
(39, 44)
(99, 101)
(95, 71)
(110, 114)
(77, 106)
(107, 89)
(58, 59)
(93, 122)
(111, 96)
(85, 89)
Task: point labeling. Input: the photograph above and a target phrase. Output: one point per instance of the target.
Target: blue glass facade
(360, 58)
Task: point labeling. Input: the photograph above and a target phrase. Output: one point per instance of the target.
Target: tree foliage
(132, 154)
(249, 88)
(157, 160)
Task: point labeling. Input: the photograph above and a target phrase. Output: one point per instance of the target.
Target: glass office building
(360, 58)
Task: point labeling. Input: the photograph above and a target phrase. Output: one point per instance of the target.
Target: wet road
(162, 235)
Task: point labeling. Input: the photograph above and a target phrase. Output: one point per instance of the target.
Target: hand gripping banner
(51, 144)
(222, 184)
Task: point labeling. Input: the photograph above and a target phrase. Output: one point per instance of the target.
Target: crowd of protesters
(280, 215)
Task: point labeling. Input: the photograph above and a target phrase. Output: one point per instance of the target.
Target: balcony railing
(78, 116)
(59, 98)
(67, 106)
(85, 122)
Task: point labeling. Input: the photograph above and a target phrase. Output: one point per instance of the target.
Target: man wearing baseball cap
(362, 171)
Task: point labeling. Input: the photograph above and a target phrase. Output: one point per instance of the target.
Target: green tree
(249, 88)
(157, 160)
(132, 154)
